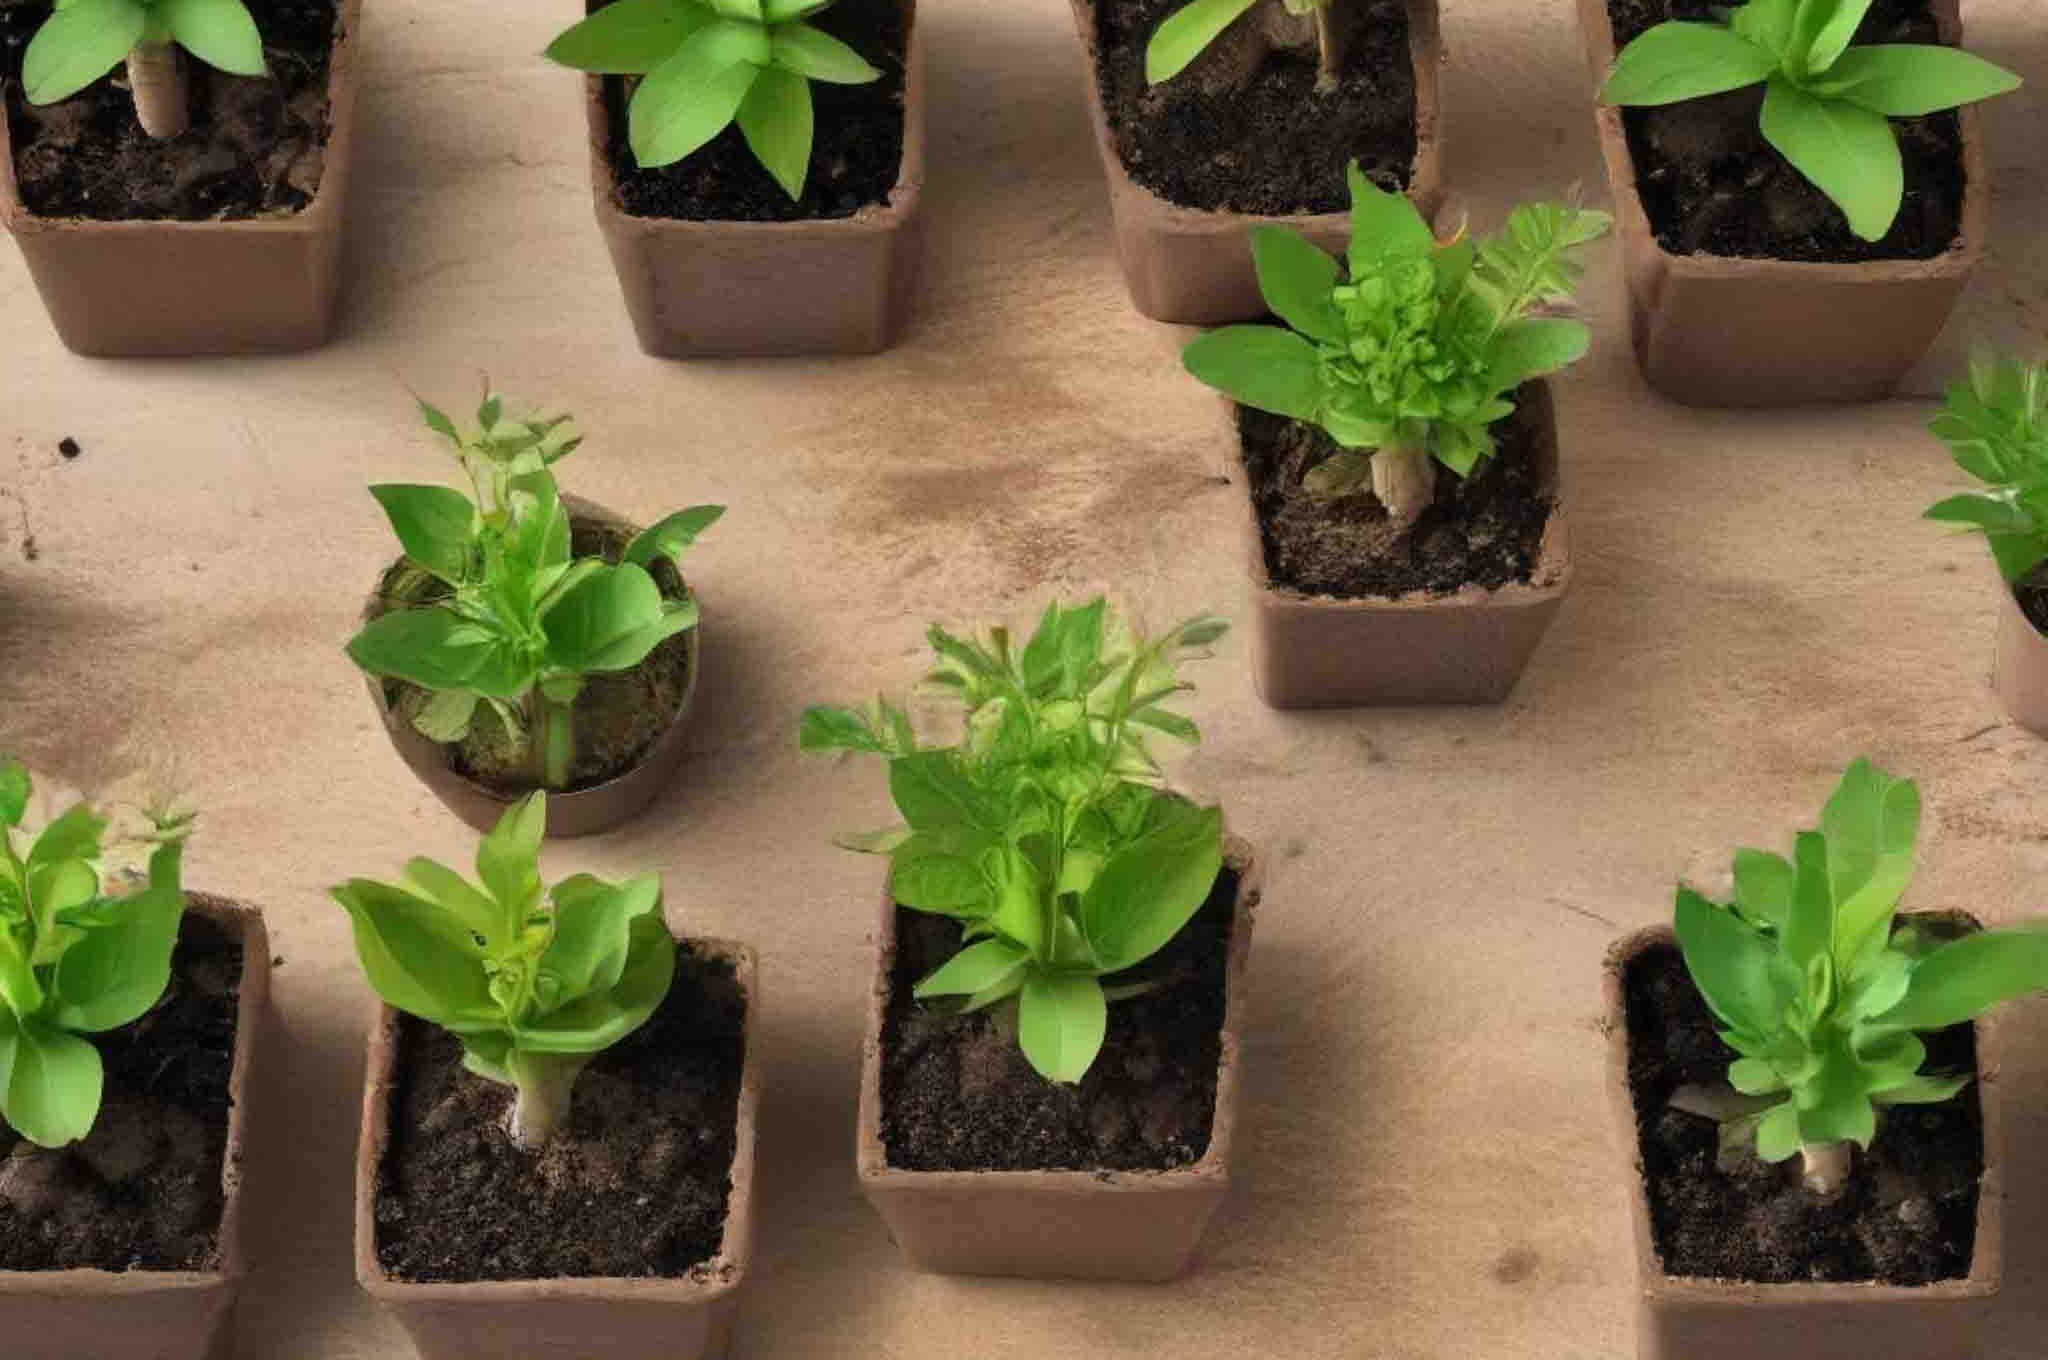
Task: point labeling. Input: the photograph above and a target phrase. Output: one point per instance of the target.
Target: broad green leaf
(675, 616)
(456, 895)
(932, 793)
(436, 525)
(1922, 1090)
(980, 967)
(1767, 23)
(826, 727)
(50, 1083)
(695, 94)
(1905, 80)
(1532, 348)
(593, 927)
(1061, 1021)
(1186, 34)
(1834, 1107)
(1871, 824)
(486, 1054)
(447, 716)
(508, 857)
(672, 536)
(587, 623)
(1263, 367)
(1764, 887)
(1777, 1133)
(814, 54)
(1753, 1077)
(1729, 962)
(937, 882)
(74, 835)
(1822, 32)
(1019, 901)
(1989, 512)
(221, 33)
(1384, 226)
(1150, 888)
(14, 792)
(418, 958)
(628, 37)
(1678, 61)
(119, 970)
(775, 118)
(594, 1023)
(1809, 930)
(78, 44)
(1849, 153)
(434, 648)
(1963, 979)
(1296, 278)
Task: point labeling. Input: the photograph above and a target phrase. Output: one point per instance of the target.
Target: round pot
(2021, 675)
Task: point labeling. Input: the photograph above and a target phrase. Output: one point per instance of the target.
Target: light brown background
(1426, 1173)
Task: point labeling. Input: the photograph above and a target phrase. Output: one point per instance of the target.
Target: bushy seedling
(1996, 425)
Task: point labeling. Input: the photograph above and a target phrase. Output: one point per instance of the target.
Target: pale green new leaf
(436, 525)
(1384, 226)
(978, 968)
(1295, 277)
(1061, 1021)
(50, 1082)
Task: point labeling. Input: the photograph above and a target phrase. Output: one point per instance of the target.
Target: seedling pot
(1320, 651)
(2022, 672)
(1704, 1319)
(1194, 266)
(724, 289)
(687, 1318)
(157, 1315)
(1718, 331)
(163, 288)
(1091, 1225)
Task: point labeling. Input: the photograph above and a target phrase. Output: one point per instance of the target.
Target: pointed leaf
(813, 54)
(1061, 1021)
(1296, 278)
(1678, 61)
(1186, 34)
(1263, 367)
(78, 44)
(1849, 152)
(628, 37)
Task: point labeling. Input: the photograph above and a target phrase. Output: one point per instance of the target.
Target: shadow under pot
(714, 259)
(980, 1166)
(633, 1228)
(2022, 669)
(224, 240)
(128, 1245)
(1196, 162)
(1727, 307)
(1348, 611)
(1741, 1264)
(631, 726)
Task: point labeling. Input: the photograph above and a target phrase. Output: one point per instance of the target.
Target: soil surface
(1909, 1216)
(256, 147)
(1712, 185)
(143, 1191)
(958, 1094)
(634, 1185)
(1485, 531)
(856, 152)
(619, 717)
(1271, 143)
(2032, 593)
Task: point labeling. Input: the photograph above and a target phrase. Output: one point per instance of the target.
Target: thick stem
(551, 733)
(1329, 48)
(546, 1085)
(1405, 481)
(1826, 1167)
(156, 77)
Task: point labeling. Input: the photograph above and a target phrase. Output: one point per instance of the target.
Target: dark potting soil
(143, 1190)
(618, 717)
(1486, 530)
(1269, 143)
(958, 1094)
(2032, 594)
(256, 147)
(1909, 1216)
(634, 1185)
(856, 152)
(1712, 185)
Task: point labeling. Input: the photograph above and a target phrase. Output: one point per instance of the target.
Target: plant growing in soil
(512, 623)
(1409, 357)
(534, 981)
(1996, 425)
(1827, 103)
(707, 64)
(85, 39)
(1823, 994)
(1190, 31)
(1044, 829)
(75, 959)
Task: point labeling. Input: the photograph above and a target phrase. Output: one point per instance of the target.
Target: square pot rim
(715, 1279)
(1987, 1254)
(1210, 1171)
(312, 219)
(246, 924)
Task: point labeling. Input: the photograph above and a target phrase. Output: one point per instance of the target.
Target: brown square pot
(1696, 1319)
(557, 1319)
(1320, 651)
(700, 290)
(1712, 330)
(2021, 677)
(1194, 265)
(149, 1314)
(1087, 1225)
(139, 289)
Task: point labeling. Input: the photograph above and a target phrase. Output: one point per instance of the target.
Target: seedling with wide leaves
(1044, 830)
(1191, 30)
(1996, 425)
(83, 40)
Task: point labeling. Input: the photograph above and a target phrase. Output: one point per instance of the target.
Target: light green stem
(546, 1086)
(552, 734)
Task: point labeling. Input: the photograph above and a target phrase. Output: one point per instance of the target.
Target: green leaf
(1777, 1134)
(50, 1083)
(1871, 823)
(1809, 931)
(783, 11)
(593, 930)
(827, 727)
(1296, 278)
(77, 45)
(933, 793)
(672, 536)
(1922, 1090)
(118, 970)
(436, 526)
(508, 857)
(454, 894)
(695, 94)
(1384, 226)
(628, 37)
(1849, 153)
(14, 792)
(926, 874)
(417, 958)
(1263, 367)
(1061, 1021)
(980, 967)
(596, 624)
(1677, 61)
(1186, 34)
(593, 1023)
(1822, 32)
(1963, 979)
(1150, 888)
(1767, 23)
(814, 54)
(1532, 348)
(1729, 962)
(1764, 887)
(776, 121)
(1905, 80)
(75, 835)
(434, 648)
(221, 33)
(1992, 513)
(447, 716)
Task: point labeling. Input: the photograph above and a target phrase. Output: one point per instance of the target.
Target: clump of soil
(2032, 594)
(142, 1191)
(856, 154)
(1486, 530)
(958, 1094)
(634, 1184)
(1712, 185)
(256, 147)
(1909, 1216)
(1277, 144)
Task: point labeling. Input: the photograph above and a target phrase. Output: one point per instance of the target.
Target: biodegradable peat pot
(136, 1314)
(2022, 671)
(1683, 1318)
(121, 289)
(1194, 265)
(1470, 647)
(684, 1317)
(711, 289)
(577, 812)
(1077, 1224)
(1714, 330)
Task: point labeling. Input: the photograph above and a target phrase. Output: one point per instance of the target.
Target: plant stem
(1826, 1167)
(156, 77)
(1329, 53)
(1405, 481)
(546, 1085)
(551, 730)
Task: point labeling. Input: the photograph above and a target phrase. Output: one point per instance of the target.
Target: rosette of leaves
(1996, 425)
(1828, 101)
(1044, 830)
(1822, 994)
(1407, 355)
(535, 981)
(707, 64)
(75, 958)
(1194, 28)
(511, 623)
(83, 40)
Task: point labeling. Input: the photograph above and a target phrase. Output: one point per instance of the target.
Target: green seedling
(1193, 29)
(83, 40)
(1996, 425)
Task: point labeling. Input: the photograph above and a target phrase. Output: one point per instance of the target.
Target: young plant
(510, 622)
(1822, 995)
(1192, 30)
(535, 982)
(75, 959)
(1044, 830)
(1827, 103)
(84, 39)
(707, 64)
(1408, 358)
(1996, 425)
